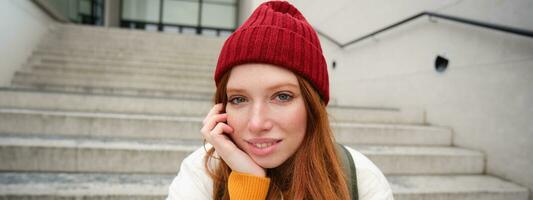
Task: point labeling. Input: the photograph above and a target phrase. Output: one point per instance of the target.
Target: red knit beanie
(277, 33)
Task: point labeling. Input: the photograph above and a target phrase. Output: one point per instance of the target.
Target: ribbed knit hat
(277, 33)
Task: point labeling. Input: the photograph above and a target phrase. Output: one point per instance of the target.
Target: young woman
(268, 132)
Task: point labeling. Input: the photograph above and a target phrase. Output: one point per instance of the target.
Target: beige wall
(21, 28)
(485, 95)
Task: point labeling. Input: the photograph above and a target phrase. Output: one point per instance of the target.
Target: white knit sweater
(193, 182)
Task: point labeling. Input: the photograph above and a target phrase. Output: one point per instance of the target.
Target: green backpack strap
(349, 169)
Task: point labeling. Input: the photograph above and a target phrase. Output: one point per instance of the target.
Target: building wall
(21, 29)
(485, 95)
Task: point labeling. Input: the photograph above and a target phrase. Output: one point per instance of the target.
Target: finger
(218, 130)
(214, 110)
(210, 123)
(221, 128)
(219, 140)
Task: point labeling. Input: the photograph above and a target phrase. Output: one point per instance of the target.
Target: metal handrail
(517, 31)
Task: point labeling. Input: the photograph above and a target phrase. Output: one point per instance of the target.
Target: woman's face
(267, 112)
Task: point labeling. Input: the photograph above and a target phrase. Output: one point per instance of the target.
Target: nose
(259, 121)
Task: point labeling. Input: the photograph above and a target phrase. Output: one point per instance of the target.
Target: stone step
(41, 80)
(113, 186)
(35, 99)
(456, 187)
(77, 74)
(137, 66)
(66, 154)
(74, 30)
(114, 91)
(88, 186)
(391, 134)
(200, 45)
(377, 115)
(63, 154)
(81, 102)
(118, 51)
(85, 124)
(134, 37)
(178, 57)
(110, 125)
(423, 159)
(100, 35)
(112, 49)
(128, 71)
(188, 63)
(132, 47)
(175, 42)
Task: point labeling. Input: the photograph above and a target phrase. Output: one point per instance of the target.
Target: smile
(262, 147)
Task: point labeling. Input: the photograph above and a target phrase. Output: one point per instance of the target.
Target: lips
(262, 146)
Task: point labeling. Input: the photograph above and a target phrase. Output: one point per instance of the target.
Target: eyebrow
(273, 87)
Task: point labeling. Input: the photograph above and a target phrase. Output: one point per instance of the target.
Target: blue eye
(237, 100)
(284, 97)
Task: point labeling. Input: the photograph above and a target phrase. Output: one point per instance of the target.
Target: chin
(267, 163)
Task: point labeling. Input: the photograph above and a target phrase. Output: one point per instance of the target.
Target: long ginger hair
(313, 172)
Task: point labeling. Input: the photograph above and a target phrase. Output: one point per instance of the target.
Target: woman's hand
(215, 131)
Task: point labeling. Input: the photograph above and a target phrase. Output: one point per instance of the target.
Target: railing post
(160, 24)
(199, 25)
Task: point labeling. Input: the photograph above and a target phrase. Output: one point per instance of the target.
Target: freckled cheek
(293, 120)
(232, 118)
(235, 120)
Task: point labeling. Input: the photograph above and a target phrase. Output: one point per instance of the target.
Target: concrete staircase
(110, 113)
